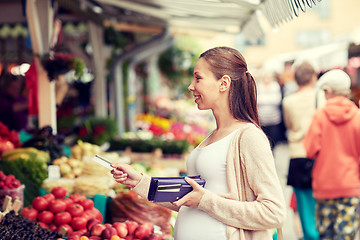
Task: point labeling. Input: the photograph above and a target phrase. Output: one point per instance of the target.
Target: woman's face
(204, 86)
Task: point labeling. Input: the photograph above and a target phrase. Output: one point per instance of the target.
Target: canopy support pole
(40, 28)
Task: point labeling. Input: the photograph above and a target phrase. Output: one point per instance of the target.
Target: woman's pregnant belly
(194, 224)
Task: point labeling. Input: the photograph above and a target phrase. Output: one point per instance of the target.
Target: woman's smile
(197, 98)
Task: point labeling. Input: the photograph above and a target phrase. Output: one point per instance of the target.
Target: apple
(143, 230)
(57, 206)
(87, 203)
(95, 213)
(45, 217)
(149, 226)
(68, 201)
(131, 226)
(74, 237)
(87, 216)
(81, 232)
(108, 232)
(97, 229)
(107, 225)
(121, 229)
(30, 213)
(77, 197)
(91, 223)
(75, 209)
(52, 227)
(95, 238)
(43, 225)
(49, 197)
(78, 223)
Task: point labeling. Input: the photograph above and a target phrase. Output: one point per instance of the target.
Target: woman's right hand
(123, 173)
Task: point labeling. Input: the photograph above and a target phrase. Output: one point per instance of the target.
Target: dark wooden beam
(127, 27)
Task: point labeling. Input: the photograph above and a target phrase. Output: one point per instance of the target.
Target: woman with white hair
(334, 140)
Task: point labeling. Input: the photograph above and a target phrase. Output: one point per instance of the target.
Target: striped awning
(234, 16)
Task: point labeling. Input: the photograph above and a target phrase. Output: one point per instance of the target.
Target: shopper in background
(13, 105)
(269, 107)
(334, 140)
(287, 79)
(298, 109)
(236, 149)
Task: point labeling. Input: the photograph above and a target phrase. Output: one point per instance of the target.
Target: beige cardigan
(265, 207)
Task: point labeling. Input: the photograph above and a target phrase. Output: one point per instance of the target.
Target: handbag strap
(243, 195)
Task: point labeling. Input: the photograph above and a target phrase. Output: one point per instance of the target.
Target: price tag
(54, 172)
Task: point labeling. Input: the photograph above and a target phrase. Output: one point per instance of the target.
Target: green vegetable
(31, 173)
(139, 145)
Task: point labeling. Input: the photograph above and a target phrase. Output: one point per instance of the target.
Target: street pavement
(281, 155)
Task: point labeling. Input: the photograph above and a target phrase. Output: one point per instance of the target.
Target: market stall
(74, 197)
(62, 190)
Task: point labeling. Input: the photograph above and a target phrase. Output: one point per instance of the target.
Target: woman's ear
(225, 82)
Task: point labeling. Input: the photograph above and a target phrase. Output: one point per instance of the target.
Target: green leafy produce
(139, 145)
(97, 130)
(31, 171)
(173, 147)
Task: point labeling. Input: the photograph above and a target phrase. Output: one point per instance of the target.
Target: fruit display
(54, 211)
(81, 149)
(8, 182)
(28, 165)
(66, 204)
(67, 183)
(15, 226)
(81, 220)
(79, 163)
(10, 186)
(26, 153)
(129, 206)
(128, 230)
(70, 167)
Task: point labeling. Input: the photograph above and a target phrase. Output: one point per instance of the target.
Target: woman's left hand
(192, 199)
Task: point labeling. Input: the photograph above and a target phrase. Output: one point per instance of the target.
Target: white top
(268, 103)
(210, 163)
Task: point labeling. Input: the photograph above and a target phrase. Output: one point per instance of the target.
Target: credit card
(103, 162)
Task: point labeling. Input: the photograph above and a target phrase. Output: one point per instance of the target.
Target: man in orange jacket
(334, 140)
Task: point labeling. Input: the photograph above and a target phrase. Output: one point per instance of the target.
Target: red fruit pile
(8, 182)
(82, 220)
(8, 186)
(9, 139)
(128, 230)
(54, 211)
